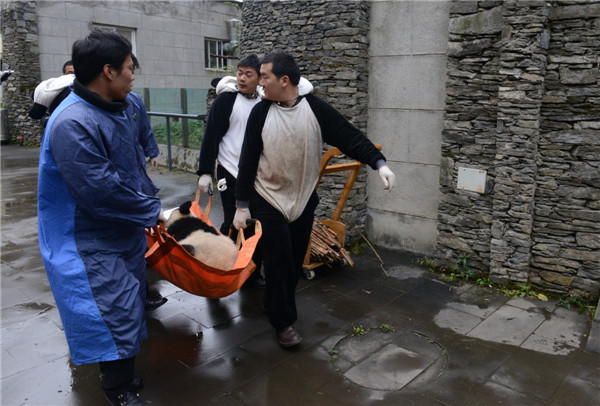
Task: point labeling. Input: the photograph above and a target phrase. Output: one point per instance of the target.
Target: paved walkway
(390, 334)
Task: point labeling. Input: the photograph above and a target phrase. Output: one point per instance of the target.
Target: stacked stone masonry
(20, 53)
(523, 104)
(329, 39)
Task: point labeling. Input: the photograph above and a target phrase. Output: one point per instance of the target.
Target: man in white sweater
(223, 137)
(278, 172)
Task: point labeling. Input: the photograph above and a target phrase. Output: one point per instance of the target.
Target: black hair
(283, 65)
(69, 62)
(98, 49)
(251, 61)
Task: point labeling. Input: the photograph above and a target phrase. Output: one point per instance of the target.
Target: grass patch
(461, 271)
(195, 133)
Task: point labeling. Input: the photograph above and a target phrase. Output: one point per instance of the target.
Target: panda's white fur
(201, 239)
(217, 251)
(182, 211)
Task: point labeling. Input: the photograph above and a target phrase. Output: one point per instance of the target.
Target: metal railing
(184, 135)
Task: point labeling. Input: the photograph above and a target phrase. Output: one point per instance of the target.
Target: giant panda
(200, 239)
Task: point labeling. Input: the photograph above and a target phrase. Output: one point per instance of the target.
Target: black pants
(118, 375)
(283, 246)
(227, 199)
(228, 202)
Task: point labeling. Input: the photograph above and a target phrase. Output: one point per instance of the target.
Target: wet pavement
(375, 334)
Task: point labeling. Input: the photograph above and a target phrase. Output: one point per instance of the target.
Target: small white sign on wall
(471, 179)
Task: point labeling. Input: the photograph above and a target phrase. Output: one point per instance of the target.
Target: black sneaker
(257, 283)
(154, 302)
(137, 384)
(129, 398)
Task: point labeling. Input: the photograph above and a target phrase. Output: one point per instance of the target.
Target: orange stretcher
(333, 223)
(179, 267)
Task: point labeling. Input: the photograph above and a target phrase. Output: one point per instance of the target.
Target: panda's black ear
(185, 208)
(189, 248)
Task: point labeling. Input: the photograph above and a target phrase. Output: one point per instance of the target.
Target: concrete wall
(407, 75)
(169, 36)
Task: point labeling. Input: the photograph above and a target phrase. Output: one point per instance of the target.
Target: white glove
(205, 182)
(239, 220)
(153, 163)
(388, 177)
(161, 216)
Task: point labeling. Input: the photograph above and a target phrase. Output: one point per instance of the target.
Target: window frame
(120, 30)
(222, 61)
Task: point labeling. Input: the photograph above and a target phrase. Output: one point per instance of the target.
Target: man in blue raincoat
(94, 201)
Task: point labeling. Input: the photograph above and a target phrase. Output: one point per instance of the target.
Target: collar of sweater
(95, 99)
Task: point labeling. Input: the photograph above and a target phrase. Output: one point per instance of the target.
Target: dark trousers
(283, 246)
(228, 202)
(118, 375)
(227, 199)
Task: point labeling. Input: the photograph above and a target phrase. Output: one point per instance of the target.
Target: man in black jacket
(278, 172)
(222, 141)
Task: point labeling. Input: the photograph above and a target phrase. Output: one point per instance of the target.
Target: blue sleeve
(81, 157)
(146, 136)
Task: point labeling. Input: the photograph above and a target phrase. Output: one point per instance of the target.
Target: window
(128, 33)
(214, 55)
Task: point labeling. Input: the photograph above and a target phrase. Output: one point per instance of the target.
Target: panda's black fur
(184, 226)
(201, 239)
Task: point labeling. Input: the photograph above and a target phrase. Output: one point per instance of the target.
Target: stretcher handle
(241, 239)
(159, 229)
(210, 195)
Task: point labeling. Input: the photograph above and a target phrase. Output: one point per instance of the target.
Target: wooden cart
(333, 223)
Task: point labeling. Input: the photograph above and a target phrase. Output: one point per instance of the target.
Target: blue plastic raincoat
(94, 200)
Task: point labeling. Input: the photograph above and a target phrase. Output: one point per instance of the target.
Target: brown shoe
(288, 337)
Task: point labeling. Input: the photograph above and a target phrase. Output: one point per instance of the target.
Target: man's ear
(285, 80)
(108, 71)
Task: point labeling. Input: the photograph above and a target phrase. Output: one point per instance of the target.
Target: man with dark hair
(223, 139)
(224, 133)
(50, 93)
(278, 172)
(94, 201)
(68, 67)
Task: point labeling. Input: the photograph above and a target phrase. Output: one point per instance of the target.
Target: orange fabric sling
(182, 269)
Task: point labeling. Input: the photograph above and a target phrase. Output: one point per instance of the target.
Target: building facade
(179, 44)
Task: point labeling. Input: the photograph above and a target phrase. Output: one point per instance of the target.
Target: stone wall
(522, 69)
(468, 138)
(20, 53)
(523, 105)
(565, 255)
(329, 39)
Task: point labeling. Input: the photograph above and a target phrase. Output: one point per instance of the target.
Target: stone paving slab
(560, 334)
(508, 325)
(389, 369)
(457, 320)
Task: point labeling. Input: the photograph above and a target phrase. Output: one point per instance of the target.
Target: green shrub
(195, 133)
